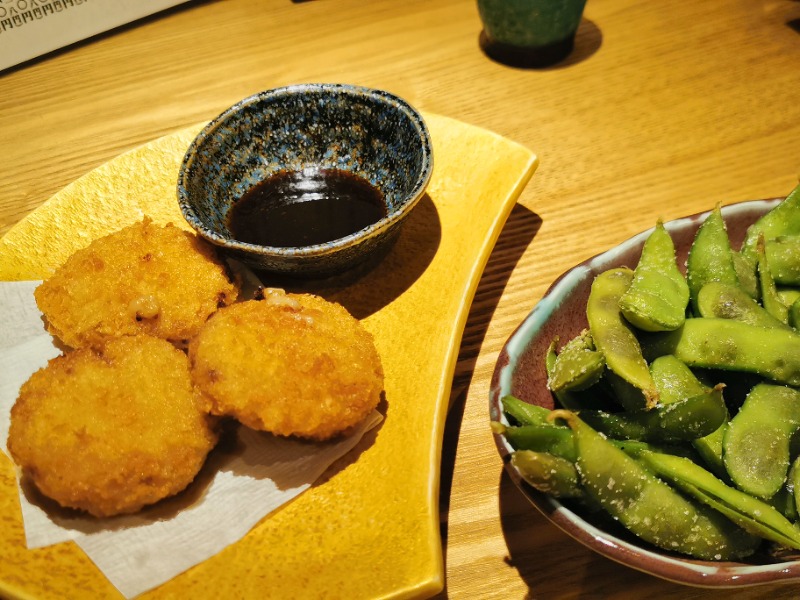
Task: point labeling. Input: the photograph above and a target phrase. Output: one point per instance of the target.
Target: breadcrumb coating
(291, 364)
(96, 430)
(144, 278)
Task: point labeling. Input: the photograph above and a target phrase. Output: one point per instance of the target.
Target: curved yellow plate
(371, 529)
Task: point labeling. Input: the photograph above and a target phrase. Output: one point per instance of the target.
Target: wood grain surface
(662, 110)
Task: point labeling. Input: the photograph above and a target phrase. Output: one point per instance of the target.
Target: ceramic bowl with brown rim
(520, 371)
(309, 180)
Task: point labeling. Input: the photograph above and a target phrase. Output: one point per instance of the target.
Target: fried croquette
(96, 431)
(291, 364)
(144, 278)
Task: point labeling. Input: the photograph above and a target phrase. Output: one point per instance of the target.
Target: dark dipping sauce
(303, 208)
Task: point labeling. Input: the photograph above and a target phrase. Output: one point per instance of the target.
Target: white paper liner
(248, 476)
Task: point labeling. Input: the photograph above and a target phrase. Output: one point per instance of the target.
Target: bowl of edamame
(649, 405)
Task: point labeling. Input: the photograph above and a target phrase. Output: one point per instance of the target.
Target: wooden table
(662, 110)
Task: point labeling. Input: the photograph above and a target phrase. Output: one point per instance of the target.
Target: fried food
(95, 430)
(142, 279)
(291, 364)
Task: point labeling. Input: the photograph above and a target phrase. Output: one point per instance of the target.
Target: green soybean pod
(793, 483)
(709, 448)
(647, 506)
(710, 256)
(794, 314)
(726, 301)
(683, 420)
(675, 381)
(578, 366)
(557, 441)
(658, 295)
(789, 295)
(756, 443)
(751, 514)
(782, 220)
(746, 273)
(567, 399)
(617, 425)
(623, 393)
(548, 474)
(731, 345)
(597, 396)
(523, 412)
(613, 335)
(783, 255)
(784, 503)
(633, 447)
(766, 285)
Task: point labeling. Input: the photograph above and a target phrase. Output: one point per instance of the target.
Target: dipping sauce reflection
(302, 208)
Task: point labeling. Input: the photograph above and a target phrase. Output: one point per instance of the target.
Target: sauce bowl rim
(325, 248)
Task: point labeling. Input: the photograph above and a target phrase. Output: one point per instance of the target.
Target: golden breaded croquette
(291, 364)
(144, 278)
(95, 430)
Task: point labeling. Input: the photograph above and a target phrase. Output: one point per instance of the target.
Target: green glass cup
(529, 33)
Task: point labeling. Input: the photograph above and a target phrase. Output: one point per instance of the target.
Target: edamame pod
(675, 381)
(613, 335)
(726, 301)
(783, 255)
(578, 366)
(752, 515)
(783, 501)
(597, 396)
(731, 345)
(548, 474)
(710, 256)
(566, 399)
(756, 443)
(633, 446)
(794, 314)
(617, 425)
(789, 295)
(782, 220)
(658, 295)
(624, 394)
(766, 286)
(647, 506)
(793, 483)
(709, 448)
(523, 412)
(554, 440)
(683, 420)
(746, 274)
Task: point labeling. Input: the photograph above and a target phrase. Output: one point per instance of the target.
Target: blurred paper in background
(30, 28)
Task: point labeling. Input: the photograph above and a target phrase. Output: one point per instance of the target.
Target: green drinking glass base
(524, 56)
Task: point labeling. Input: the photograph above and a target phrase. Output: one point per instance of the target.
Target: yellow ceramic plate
(371, 528)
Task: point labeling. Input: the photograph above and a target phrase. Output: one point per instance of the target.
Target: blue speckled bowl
(370, 133)
(520, 371)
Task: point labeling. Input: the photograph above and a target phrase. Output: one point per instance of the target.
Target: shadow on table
(520, 228)
(553, 565)
(588, 40)
(368, 288)
(547, 560)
